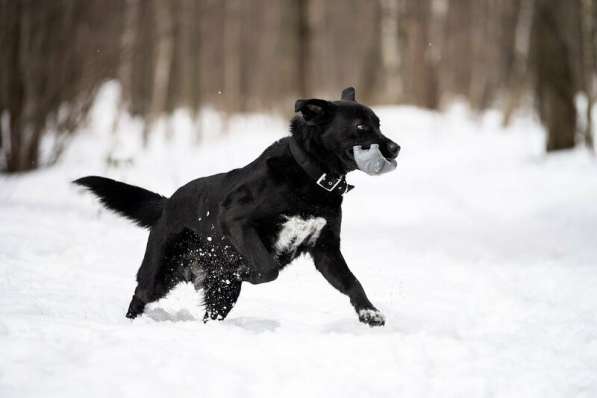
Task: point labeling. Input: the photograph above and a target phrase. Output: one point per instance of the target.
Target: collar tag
(328, 184)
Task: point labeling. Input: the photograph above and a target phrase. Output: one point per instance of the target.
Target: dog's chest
(297, 232)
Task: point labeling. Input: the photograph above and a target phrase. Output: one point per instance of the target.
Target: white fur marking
(296, 231)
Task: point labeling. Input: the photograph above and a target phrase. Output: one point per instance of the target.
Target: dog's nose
(393, 149)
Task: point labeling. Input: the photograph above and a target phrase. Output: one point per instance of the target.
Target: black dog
(248, 223)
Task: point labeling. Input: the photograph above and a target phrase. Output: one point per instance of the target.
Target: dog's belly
(296, 234)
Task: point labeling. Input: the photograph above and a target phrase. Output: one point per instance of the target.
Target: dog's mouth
(371, 160)
(348, 153)
(348, 157)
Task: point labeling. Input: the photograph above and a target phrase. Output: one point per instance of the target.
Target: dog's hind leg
(149, 288)
(145, 294)
(156, 277)
(220, 295)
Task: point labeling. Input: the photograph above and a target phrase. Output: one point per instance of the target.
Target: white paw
(372, 317)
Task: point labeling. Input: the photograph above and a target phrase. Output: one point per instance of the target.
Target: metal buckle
(323, 177)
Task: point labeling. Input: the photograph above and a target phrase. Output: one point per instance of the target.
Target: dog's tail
(137, 204)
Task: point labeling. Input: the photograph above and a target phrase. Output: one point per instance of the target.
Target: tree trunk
(12, 87)
(554, 84)
(421, 86)
(588, 51)
(232, 54)
(390, 50)
(518, 75)
(163, 61)
(127, 47)
(304, 42)
(125, 68)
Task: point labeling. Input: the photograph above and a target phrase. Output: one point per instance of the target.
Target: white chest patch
(297, 231)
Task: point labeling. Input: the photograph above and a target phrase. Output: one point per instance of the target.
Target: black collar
(330, 182)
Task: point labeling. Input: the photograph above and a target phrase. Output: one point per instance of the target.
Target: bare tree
(48, 86)
(163, 60)
(127, 47)
(390, 50)
(553, 70)
(233, 62)
(516, 73)
(487, 23)
(421, 85)
(251, 56)
(589, 53)
(304, 47)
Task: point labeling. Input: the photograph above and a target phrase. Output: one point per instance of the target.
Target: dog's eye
(361, 127)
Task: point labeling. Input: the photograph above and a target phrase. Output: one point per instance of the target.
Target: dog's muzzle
(371, 160)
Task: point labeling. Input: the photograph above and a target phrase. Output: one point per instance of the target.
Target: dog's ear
(314, 110)
(348, 94)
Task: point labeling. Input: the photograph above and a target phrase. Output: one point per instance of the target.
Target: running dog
(247, 224)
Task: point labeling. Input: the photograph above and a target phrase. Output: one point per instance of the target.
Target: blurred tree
(143, 59)
(589, 57)
(127, 47)
(393, 86)
(515, 71)
(128, 40)
(164, 46)
(303, 33)
(48, 77)
(233, 55)
(457, 57)
(240, 56)
(421, 86)
(553, 70)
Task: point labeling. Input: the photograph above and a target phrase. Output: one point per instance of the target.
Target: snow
(479, 250)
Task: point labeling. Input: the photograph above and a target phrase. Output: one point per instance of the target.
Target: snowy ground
(486, 271)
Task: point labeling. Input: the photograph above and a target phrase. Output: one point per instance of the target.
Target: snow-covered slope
(486, 270)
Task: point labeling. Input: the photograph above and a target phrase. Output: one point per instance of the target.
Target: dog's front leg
(263, 268)
(235, 217)
(331, 263)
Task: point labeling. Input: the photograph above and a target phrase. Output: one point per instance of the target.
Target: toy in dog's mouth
(369, 159)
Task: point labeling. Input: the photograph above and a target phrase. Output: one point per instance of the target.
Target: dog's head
(343, 135)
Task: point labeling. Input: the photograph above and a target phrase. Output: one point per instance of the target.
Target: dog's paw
(372, 317)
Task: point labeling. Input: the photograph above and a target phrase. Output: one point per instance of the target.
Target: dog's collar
(330, 182)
